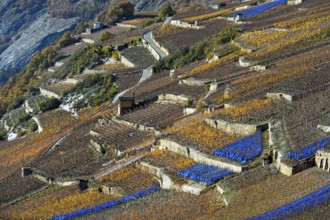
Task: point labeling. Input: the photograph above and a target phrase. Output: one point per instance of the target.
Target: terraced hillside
(232, 124)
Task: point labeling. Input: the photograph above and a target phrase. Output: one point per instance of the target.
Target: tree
(166, 10)
(105, 36)
(49, 104)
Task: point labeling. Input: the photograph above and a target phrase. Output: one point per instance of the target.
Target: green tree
(105, 36)
(166, 10)
(49, 104)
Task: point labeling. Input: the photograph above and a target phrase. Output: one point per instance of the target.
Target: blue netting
(242, 150)
(298, 206)
(259, 9)
(309, 150)
(205, 173)
(107, 204)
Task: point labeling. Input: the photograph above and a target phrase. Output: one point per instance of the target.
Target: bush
(105, 36)
(22, 133)
(225, 36)
(16, 104)
(49, 104)
(33, 126)
(326, 32)
(3, 134)
(166, 10)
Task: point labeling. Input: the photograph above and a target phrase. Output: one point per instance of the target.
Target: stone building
(125, 103)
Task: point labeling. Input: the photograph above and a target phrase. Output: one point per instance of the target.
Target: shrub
(3, 134)
(105, 36)
(49, 104)
(16, 103)
(326, 32)
(166, 10)
(33, 126)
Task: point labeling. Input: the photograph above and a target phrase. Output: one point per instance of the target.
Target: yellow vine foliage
(166, 30)
(175, 160)
(254, 82)
(63, 205)
(209, 15)
(208, 66)
(121, 174)
(303, 21)
(246, 108)
(303, 30)
(200, 132)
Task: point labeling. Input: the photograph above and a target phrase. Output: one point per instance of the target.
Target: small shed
(125, 103)
(97, 26)
(218, 5)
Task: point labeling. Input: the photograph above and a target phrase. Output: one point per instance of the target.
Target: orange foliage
(200, 132)
(175, 160)
(246, 108)
(208, 66)
(209, 15)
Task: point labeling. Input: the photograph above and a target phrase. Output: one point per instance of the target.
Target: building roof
(126, 98)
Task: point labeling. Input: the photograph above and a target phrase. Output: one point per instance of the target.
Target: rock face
(24, 31)
(40, 33)
(148, 5)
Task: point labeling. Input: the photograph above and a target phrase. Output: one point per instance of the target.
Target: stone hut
(125, 103)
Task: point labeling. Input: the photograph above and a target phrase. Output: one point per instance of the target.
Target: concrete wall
(48, 94)
(294, 2)
(197, 156)
(243, 63)
(258, 68)
(151, 50)
(164, 179)
(174, 98)
(126, 62)
(279, 96)
(40, 128)
(289, 168)
(182, 24)
(160, 46)
(126, 25)
(191, 81)
(324, 128)
(188, 111)
(242, 7)
(322, 159)
(88, 41)
(117, 167)
(88, 71)
(232, 128)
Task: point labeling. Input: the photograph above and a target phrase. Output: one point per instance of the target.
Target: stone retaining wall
(232, 128)
(197, 156)
(174, 98)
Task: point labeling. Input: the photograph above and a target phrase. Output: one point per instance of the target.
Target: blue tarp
(205, 173)
(259, 9)
(309, 150)
(242, 150)
(312, 200)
